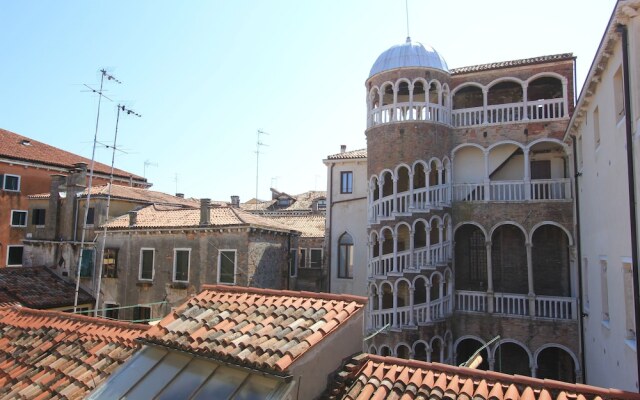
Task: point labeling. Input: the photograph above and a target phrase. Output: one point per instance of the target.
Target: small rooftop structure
(408, 54)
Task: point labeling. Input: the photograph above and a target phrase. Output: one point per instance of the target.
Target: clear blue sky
(206, 75)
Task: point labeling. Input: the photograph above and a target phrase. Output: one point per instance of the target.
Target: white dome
(409, 54)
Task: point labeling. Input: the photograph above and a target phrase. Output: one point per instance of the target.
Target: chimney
(205, 216)
(235, 201)
(133, 218)
(181, 195)
(343, 148)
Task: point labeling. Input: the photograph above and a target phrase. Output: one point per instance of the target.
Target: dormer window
(284, 202)
(321, 204)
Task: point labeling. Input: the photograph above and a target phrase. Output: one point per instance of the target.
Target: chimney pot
(235, 201)
(343, 148)
(181, 195)
(133, 218)
(205, 216)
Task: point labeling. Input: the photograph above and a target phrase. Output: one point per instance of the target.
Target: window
(181, 265)
(345, 256)
(321, 204)
(293, 271)
(110, 263)
(596, 126)
(14, 256)
(346, 182)
(111, 310)
(38, 216)
(90, 216)
(146, 264)
(604, 286)
(227, 267)
(18, 218)
(11, 183)
(284, 202)
(141, 314)
(618, 94)
(303, 258)
(86, 264)
(315, 258)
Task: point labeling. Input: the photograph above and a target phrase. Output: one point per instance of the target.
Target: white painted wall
(605, 229)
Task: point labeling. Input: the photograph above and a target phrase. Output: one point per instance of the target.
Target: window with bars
(110, 263)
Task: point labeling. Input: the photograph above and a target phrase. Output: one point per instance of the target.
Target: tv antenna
(175, 179)
(122, 109)
(148, 163)
(406, 7)
(258, 144)
(103, 74)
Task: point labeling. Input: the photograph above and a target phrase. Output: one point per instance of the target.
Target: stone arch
(471, 257)
(549, 74)
(373, 295)
(467, 84)
(512, 357)
(373, 350)
(374, 188)
(466, 346)
(460, 146)
(550, 260)
(386, 177)
(435, 91)
(421, 350)
(437, 280)
(499, 224)
(386, 294)
(437, 349)
(402, 292)
(503, 142)
(420, 284)
(385, 351)
(387, 235)
(509, 258)
(566, 231)
(374, 98)
(564, 367)
(419, 174)
(417, 96)
(556, 141)
(460, 224)
(403, 350)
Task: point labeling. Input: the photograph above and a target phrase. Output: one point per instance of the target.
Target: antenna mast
(103, 74)
(258, 144)
(104, 231)
(406, 7)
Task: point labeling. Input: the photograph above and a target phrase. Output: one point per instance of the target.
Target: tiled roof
(312, 225)
(362, 153)
(50, 354)
(512, 63)
(22, 148)
(156, 216)
(259, 328)
(374, 377)
(132, 193)
(260, 205)
(38, 287)
(302, 202)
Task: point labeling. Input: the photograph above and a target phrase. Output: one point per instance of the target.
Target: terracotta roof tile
(259, 328)
(18, 147)
(38, 287)
(361, 153)
(367, 376)
(158, 217)
(512, 63)
(53, 354)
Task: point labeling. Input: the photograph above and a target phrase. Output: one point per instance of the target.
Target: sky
(207, 75)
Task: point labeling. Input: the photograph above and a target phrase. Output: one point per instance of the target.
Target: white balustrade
(435, 251)
(551, 189)
(386, 207)
(501, 113)
(471, 301)
(467, 116)
(545, 109)
(555, 307)
(404, 315)
(439, 308)
(507, 191)
(420, 313)
(380, 318)
(511, 304)
(419, 111)
(468, 192)
(403, 260)
(421, 257)
(421, 199)
(402, 205)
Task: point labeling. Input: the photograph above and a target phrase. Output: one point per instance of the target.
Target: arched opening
(433, 174)
(419, 177)
(387, 94)
(420, 291)
(419, 94)
(434, 90)
(419, 235)
(345, 256)
(434, 235)
(436, 283)
(403, 238)
(403, 179)
(385, 351)
(511, 358)
(556, 363)
(387, 184)
(420, 351)
(375, 99)
(505, 102)
(468, 97)
(506, 172)
(471, 258)
(468, 174)
(403, 295)
(375, 245)
(403, 92)
(549, 171)
(387, 242)
(375, 299)
(545, 98)
(509, 260)
(436, 350)
(387, 295)
(373, 350)
(403, 351)
(375, 189)
(466, 348)
(550, 259)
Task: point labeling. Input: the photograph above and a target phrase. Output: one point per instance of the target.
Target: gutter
(633, 222)
(581, 313)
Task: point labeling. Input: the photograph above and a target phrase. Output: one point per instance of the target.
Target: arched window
(345, 256)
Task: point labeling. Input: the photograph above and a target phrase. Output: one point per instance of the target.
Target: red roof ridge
(504, 379)
(79, 318)
(276, 292)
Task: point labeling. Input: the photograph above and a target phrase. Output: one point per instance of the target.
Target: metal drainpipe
(622, 29)
(581, 314)
(329, 230)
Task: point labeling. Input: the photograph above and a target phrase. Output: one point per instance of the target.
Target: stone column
(380, 196)
(527, 175)
(380, 254)
(485, 116)
(411, 114)
(427, 228)
(565, 98)
(427, 313)
(525, 102)
(487, 181)
(427, 186)
(490, 293)
(411, 248)
(411, 318)
(395, 252)
(439, 193)
(395, 195)
(532, 296)
(395, 309)
(411, 201)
